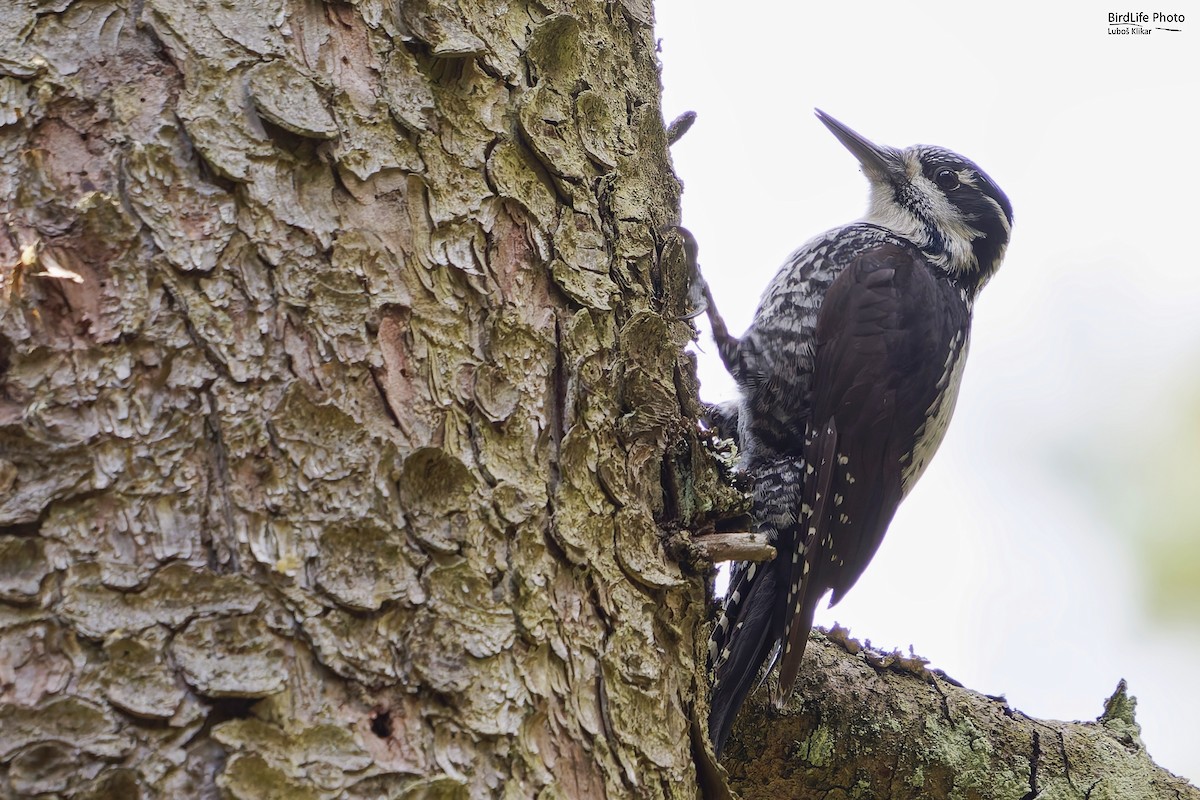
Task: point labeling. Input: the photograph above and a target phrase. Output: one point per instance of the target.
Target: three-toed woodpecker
(848, 377)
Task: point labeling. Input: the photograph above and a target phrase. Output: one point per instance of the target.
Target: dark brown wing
(887, 336)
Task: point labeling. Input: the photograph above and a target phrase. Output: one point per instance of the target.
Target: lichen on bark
(868, 724)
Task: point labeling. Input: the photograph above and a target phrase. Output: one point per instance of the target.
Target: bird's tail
(756, 609)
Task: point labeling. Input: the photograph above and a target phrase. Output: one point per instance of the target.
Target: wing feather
(880, 350)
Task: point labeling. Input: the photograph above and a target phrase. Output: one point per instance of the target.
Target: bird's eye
(947, 179)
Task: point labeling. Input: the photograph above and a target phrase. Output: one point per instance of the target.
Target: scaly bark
(343, 403)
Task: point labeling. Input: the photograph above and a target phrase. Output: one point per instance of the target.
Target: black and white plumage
(848, 375)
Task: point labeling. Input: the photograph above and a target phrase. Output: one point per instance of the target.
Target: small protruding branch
(739, 546)
(679, 126)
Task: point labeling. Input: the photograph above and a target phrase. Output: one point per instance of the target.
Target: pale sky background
(1053, 547)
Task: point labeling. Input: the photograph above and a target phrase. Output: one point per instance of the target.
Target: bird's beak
(877, 161)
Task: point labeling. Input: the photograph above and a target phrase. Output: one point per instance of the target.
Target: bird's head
(937, 199)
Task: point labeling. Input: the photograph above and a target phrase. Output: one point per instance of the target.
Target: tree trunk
(346, 432)
(343, 404)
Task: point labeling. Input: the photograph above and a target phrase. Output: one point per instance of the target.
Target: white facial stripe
(933, 206)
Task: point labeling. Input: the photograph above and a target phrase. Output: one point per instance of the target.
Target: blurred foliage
(1144, 476)
(1167, 495)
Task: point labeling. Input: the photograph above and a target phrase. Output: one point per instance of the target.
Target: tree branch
(740, 546)
(881, 725)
